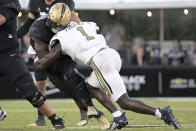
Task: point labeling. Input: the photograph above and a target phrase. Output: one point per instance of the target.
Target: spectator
(140, 55)
(192, 56)
(176, 56)
(155, 56)
(114, 33)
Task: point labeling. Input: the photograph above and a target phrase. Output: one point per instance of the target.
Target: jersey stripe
(62, 11)
(101, 79)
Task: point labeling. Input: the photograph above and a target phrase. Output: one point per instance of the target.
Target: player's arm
(32, 11)
(50, 58)
(2, 19)
(25, 28)
(40, 47)
(74, 17)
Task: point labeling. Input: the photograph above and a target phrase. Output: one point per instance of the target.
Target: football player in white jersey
(82, 43)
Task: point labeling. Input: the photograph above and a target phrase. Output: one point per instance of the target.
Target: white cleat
(82, 123)
(3, 114)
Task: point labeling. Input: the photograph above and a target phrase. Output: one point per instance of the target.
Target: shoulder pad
(39, 31)
(36, 28)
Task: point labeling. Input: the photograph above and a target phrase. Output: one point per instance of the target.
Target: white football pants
(106, 65)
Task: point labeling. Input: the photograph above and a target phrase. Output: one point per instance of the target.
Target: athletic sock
(40, 115)
(157, 113)
(83, 114)
(53, 117)
(116, 113)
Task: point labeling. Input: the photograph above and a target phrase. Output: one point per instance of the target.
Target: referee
(12, 65)
(37, 8)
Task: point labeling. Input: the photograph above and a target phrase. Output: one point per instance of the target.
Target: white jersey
(80, 41)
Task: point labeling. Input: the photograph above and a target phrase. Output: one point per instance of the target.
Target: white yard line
(130, 126)
(141, 98)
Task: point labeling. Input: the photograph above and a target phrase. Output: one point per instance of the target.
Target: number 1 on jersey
(85, 34)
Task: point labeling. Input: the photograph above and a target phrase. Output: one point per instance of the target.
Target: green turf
(21, 113)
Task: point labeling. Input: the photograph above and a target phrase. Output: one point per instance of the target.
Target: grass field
(21, 113)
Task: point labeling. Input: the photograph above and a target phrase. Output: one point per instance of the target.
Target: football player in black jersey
(36, 8)
(75, 84)
(12, 65)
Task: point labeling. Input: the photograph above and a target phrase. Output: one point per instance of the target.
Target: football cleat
(119, 122)
(84, 118)
(82, 123)
(103, 122)
(38, 122)
(92, 112)
(3, 114)
(57, 123)
(168, 117)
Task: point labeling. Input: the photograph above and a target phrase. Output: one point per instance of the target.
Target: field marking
(127, 127)
(67, 109)
(180, 99)
(130, 126)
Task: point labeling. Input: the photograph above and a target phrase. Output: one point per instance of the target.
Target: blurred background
(155, 38)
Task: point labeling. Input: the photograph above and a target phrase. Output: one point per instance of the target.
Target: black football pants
(12, 66)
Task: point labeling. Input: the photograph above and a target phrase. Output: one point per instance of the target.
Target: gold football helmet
(58, 17)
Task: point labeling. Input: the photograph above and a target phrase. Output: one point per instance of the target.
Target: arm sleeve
(32, 6)
(7, 12)
(25, 28)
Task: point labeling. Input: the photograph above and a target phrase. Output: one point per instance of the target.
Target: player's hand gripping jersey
(80, 41)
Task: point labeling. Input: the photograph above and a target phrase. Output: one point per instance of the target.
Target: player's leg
(41, 85)
(40, 82)
(77, 90)
(137, 106)
(120, 119)
(24, 84)
(83, 117)
(105, 101)
(99, 94)
(115, 87)
(58, 80)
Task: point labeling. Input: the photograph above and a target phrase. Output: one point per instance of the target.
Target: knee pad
(37, 100)
(34, 96)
